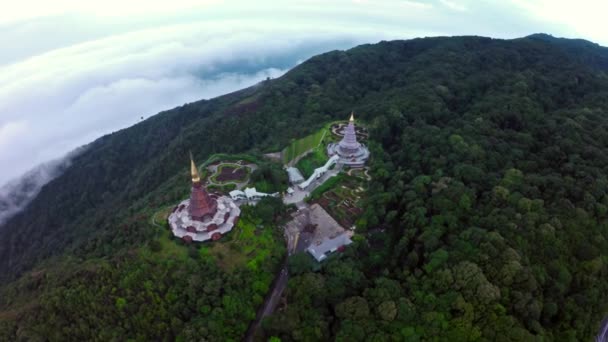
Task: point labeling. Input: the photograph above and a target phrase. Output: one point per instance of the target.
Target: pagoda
(201, 204)
(203, 216)
(351, 152)
(349, 145)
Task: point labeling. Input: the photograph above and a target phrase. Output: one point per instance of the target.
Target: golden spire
(194, 170)
(352, 116)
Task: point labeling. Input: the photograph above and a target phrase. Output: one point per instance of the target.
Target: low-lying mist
(18, 193)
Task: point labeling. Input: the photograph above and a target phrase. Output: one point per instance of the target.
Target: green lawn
(263, 186)
(300, 146)
(328, 185)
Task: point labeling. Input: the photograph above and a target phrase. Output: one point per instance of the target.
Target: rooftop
(294, 175)
(328, 246)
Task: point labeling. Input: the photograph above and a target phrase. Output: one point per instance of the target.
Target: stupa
(201, 204)
(203, 216)
(351, 152)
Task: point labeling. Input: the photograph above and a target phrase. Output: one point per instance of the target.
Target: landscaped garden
(337, 129)
(228, 173)
(341, 198)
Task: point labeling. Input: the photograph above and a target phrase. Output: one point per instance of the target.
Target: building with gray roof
(328, 246)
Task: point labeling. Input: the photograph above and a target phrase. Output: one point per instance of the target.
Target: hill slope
(489, 181)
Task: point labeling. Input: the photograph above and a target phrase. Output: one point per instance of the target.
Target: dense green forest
(486, 216)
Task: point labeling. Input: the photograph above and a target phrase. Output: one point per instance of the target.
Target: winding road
(270, 303)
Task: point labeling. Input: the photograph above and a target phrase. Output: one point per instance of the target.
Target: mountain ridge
(515, 126)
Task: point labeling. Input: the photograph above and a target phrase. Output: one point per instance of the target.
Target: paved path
(365, 173)
(275, 296)
(156, 224)
(300, 195)
(270, 303)
(276, 156)
(295, 160)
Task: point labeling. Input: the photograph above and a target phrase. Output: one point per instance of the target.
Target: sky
(72, 70)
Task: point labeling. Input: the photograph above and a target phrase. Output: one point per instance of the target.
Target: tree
(300, 263)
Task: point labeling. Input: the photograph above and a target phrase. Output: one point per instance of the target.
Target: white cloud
(11, 130)
(454, 5)
(582, 18)
(28, 9)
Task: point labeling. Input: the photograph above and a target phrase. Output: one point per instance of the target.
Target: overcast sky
(73, 70)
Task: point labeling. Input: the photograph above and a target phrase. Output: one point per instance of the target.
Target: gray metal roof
(294, 175)
(328, 246)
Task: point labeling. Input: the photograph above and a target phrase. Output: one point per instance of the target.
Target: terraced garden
(343, 201)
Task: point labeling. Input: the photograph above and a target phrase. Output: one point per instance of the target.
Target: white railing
(320, 171)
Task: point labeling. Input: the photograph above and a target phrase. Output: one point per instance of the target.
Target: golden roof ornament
(194, 170)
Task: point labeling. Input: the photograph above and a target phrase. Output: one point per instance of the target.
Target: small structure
(320, 171)
(328, 246)
(237, 195)
(295, 177)
(250, 194)
(207, 217)
(351, 152)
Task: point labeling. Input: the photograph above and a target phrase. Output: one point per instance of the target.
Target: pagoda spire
(201, 204)
(194, 171)
(352, 116)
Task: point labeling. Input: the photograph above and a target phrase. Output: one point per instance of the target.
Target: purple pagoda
(351, 152)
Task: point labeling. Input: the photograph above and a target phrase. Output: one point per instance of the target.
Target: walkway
(270, 303)
(299, 195)
(365, 172)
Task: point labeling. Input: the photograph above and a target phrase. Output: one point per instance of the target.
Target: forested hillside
(486, 216)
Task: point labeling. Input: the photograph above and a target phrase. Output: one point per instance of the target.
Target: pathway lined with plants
(365, 172)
